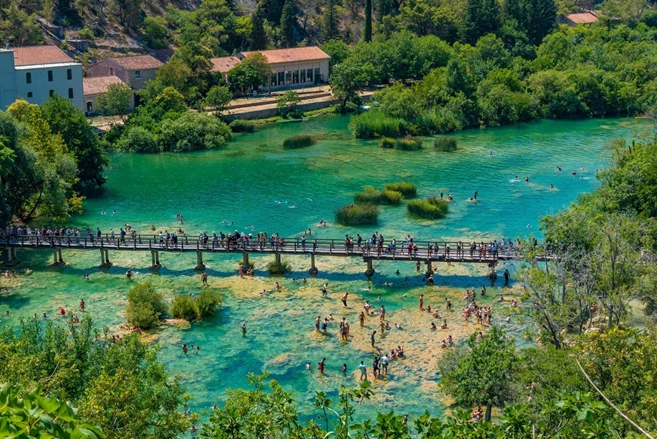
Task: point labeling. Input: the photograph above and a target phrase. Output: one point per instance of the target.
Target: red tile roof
(224, 64)
(139, 62)
(35, 55)
(95, 86)
(583, 18)
(296, 54)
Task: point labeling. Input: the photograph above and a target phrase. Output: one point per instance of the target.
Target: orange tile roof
(138, 62)
(583, 18)
(224, 63)
(296, 54)
(95, 86)
(35, 55)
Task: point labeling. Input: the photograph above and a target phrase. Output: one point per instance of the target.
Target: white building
(39, 72)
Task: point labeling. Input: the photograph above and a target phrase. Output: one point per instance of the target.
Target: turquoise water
(243, 185)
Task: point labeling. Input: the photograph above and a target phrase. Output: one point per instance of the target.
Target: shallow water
(242, 184)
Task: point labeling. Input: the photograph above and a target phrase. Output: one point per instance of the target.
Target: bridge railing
(434, 249)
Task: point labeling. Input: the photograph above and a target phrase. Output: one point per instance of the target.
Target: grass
(374, 123)
(392, 197)
(374, 196)
(241, 126)
(276, 269)
(431, 208)
(446, 144)
(386, 142)
(298, 141)
(357, 214)
(408, 190)
(409, 143)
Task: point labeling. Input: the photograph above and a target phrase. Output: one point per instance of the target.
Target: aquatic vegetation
(443, 143)
(145, 306)
(357, 214)
(375, 123)
(431, 208)
(298, 141)
(374, 196)
(184, 307)
(408, 190)
(392, 197)
(241, 126)
(386, 142)
(207, 302)
(408, 143)
(276, 268)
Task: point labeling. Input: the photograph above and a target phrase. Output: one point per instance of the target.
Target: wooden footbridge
(428, 252)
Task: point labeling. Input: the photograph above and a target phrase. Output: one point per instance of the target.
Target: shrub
(287, 104)
(184, 307)
(431, 208)
(207, 302)
(137, 139)
(357, 214)
(276, 268)
(445, 144)
(409, 143)
(374, 123)
(145, 306)
(408, 190)
(298, 141)
(369, 195)
(193, 131)
(392, 197)
(242, 126)
(386, 142)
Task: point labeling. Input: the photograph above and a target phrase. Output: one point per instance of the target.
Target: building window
(70, 93)
(90, 107)
(69, 74)
(28, 77)
(295, 77)
(303, 76)
(29, 94)
(273, 80)
(111, 70)
(281, 78)
(49, 75)
(310, 75)
(51, 93)
(288, 77)
(317, 76)
(138, 74)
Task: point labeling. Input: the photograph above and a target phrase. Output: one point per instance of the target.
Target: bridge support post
(200, 266)
(429, 267)
(277, 258)
(245, 260)
(492, 275)
(370, 268)
(313, 269)
(104, 259)
(155, 260)
(60, 259)
(10, 258)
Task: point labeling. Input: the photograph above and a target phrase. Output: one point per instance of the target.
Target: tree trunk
(489, 409)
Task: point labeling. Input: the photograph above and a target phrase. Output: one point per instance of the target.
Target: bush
(386, 142)
(357, 214)
(409, 143)
(145, 306)
(298, 141)
(184, 307)
(137, 139)
(408, 190)
(207, 302)
(276, 268)
(242, 126)
(431, 208)
(374, 123)
(193, 131)
(392, 197)
(445, 144)
(369, 195)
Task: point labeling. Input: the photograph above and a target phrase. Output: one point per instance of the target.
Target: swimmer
(491, 154)
(128, 273)
(114, 212)
(558, 168)
(397, 326)
(293, 207)
(102, 213)
(243, 329)
(526, 179)
(433, 326)
(529, 226)
(152, 227)
(397, 272)
(574, 173)
(308, 365)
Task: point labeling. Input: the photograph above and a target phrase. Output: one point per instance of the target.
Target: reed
(357, 215)
(298, 141)
(278, 269)
(408, 190)
(386, 142)
(408, 143)
(241, 126)
(431, 208)
(374, 123)
(446, 144)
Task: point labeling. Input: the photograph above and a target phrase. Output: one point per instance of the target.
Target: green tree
(383, 8)
(69, 122)
(18, 27)
(145, 306)
(346, 80)
(218, 98)
(367, 32)
(156, 32)
(137, 139)
(129, 13)
(251, 73)
(193, 131)
(338, 51)
(481, 373)
(287, 103)
(288, 23)
(207, 302)
(258, 35)
(184, 307)
(536, 18)
(116, 101)
(330, 21)
(481, 17)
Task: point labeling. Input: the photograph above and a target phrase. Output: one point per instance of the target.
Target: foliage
(116, 101)
(431, 208)
(408, 143)
(258, 36)
(218, 97)
(408, 190)
(298, 141)
(338, 50)
(276, 268)
(288, 23)
(375, 123)
(330, 17)
(184, 307)
(18, 27)
(145, 306)
(392, 197)
(31, 414)
(193, 131)
(367, 32)
(375, 196)
(251, 73)
(386, 142)
(287, 104)
(156, 32)
(357, 215)
(207, 302)
(242, 126)
(443, 143)
(137, 139)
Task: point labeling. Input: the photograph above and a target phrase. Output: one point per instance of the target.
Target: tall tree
(481, 17)
(536, 18)
(258, 36)
(330, 21)
(129, 13)
(288, 23)
(383, 8)
(367, 33)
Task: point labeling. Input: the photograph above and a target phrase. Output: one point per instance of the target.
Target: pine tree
(288, 23)
(542, 16)
(482, 17)
(258, 36)
(383, 8)
(367, 33)
(330, 21)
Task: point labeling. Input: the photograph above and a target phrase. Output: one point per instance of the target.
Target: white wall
(40, 86)
(7, 82)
